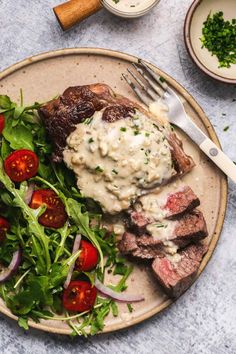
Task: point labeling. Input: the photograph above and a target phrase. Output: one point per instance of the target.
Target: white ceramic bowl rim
(128, 13)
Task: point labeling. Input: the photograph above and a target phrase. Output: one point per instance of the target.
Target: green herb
(115, 172)
(161, 78)
(123, 129)
(116, 1)
(130, 308)
(136, 132)
(219, 37)
(226, 128)
(114, 309)
(88, 120)
(90, 140)
(161, 225)
(147, 134)
(98, 169)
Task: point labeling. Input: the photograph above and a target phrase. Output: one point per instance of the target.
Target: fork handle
(219, 158)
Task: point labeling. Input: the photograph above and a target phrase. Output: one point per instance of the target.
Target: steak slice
(176, 276)
(173, 206)
(129, 246)
(190, 228)
(180, 202)
(62, 114)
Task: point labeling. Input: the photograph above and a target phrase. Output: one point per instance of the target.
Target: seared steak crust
(114, 113)
(176, 277)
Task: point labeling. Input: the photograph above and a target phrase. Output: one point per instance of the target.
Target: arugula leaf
(31, 216)
(5, 103)
(19, 137)
(23, 323)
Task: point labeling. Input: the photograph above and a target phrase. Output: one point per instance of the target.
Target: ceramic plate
(197, 14)
(43, 77)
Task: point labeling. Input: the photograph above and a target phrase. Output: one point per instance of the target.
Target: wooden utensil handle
(74, 11)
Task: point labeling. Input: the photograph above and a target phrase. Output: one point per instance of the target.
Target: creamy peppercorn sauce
(116, 162)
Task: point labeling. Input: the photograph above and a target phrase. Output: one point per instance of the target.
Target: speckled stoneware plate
(46, 75)
(196, 15)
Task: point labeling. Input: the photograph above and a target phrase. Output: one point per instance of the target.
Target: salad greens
(35, 290)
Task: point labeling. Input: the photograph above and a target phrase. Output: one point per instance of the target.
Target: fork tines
(152, 85)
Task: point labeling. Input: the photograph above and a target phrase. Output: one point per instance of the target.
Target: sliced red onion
(29, 193)
(13, 266)
(74, 250)
(121, 297)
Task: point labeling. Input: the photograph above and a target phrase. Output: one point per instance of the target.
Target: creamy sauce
(162, 230)
(130, 5)
(115, 162)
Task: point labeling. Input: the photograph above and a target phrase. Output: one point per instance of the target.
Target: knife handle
(219, 158)
(72, 12)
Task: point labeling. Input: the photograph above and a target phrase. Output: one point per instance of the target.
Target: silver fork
(152, 88)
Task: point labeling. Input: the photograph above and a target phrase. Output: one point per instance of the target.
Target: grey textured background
(204, 319)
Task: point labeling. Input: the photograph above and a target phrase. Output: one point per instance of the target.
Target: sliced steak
(62, 114)
(190, 228)
(177, 276)
(173, 206)
(129, 246)
(180, 202)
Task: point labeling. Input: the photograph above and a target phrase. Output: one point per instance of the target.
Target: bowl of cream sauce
(129, 8)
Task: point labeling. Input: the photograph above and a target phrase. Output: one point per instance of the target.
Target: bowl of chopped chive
(210, 37)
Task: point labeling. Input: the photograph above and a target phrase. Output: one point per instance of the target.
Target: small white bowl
(196, 15)
(129, 11)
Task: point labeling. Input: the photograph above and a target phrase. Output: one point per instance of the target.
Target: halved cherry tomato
(2, 123)
(80, 296)
(55, 215)
(4, 228)
(21, 165)
(88, 258)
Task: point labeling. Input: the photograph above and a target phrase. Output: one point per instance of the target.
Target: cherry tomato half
(55, 215)
(4, 228)
(2, 123)
(80, 296)
(21, 165)
(88, 258)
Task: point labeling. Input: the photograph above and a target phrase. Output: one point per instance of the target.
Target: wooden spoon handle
(74, 11)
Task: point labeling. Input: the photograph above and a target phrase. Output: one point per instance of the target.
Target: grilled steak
(176, 275)
(62, 114)
(172, 206)
(190, 228)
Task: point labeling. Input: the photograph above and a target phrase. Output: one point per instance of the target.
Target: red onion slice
(74, 250)
(13, 266)
(121, 297)
(29, 193)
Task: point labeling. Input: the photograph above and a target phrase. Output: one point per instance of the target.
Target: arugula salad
(54, 251)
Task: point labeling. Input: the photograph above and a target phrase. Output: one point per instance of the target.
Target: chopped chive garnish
(98, 169)
(226, 128)
(123, 129)
(88, 120)
(91, 140)
(162, 79)
(114, 171)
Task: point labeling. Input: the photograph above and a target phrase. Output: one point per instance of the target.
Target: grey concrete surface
(204, 319)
